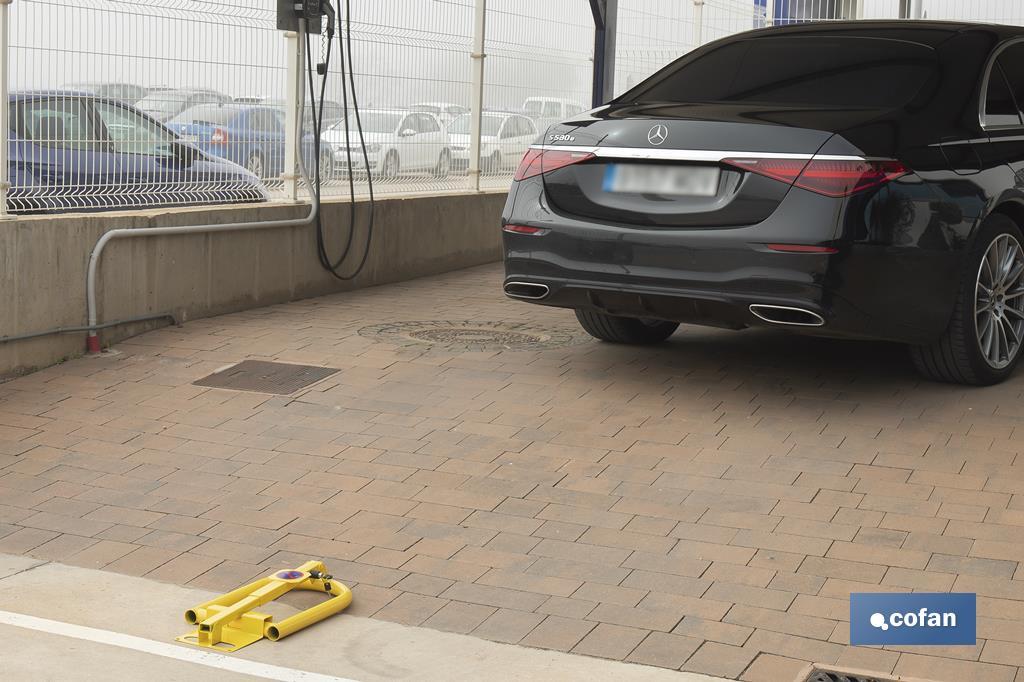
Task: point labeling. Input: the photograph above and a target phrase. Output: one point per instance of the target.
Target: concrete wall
(43, 263)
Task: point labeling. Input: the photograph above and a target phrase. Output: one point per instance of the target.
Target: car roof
(926, 32)
(164, 91)
(393, 111)
(238, 107)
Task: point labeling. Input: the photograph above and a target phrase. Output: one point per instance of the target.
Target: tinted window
(1012, 62)
(265, 121)
(489, 125)
(428, 124)
(375, 122)
(817, 71)
(552, 109)
(62, 122)
(132, 133)
(1000, 109)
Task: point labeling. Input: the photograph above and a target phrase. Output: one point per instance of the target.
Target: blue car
(252, 136)
(75, 151)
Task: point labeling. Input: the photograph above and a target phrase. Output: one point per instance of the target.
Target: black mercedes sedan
(852, 180)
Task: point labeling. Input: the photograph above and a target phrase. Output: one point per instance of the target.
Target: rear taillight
(833, 178)
(537, 161)
(219, 136)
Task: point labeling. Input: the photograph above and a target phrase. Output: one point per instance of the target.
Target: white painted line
(181, 653)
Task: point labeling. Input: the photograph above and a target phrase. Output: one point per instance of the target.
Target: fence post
(698, 23)
(295, 99)
(5, 109)
(477, 100)
(769, 13)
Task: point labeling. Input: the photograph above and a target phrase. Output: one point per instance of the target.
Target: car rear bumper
(712, 276)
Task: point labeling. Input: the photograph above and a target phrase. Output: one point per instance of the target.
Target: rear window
(798, 70)
(206, 113)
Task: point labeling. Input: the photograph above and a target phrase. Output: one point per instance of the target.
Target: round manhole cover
(473, 335)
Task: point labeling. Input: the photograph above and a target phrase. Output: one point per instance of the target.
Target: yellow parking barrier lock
(228, 622)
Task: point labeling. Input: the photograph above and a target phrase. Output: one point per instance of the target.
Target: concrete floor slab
(344, 646)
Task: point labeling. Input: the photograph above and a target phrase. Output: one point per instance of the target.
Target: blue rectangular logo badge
(913, 618)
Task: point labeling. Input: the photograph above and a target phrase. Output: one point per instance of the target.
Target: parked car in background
(397, 141)
(504, 138)
(445, 111)
(250, 135)
(163, 105)
(129, 93)
(331, 112)
(75, 151)
(547, 110)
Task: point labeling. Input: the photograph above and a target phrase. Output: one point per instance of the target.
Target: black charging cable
(334, 266)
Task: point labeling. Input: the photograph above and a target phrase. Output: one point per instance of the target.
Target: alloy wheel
(390, 166)
(255, 165)
(999, 302)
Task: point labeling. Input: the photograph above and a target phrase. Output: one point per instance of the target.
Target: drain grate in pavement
(473, 335)
(266, 377)
(838, 675)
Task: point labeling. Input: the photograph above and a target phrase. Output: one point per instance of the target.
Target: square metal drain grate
(266, 377)
(824, 674)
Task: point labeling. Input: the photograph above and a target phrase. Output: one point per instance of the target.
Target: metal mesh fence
(111, 99)
(97, 87)
(117, 103)
(538, 71)
(411, 74)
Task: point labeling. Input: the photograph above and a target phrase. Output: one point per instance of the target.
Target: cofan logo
(913, 618)
(560, 137)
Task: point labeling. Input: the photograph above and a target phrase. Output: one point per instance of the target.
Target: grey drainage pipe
(92, 342)
(105, 325)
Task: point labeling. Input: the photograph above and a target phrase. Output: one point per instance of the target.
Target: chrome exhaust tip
(527, 290)
(786, 315)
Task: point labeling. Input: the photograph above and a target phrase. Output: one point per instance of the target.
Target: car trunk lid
(651, 169)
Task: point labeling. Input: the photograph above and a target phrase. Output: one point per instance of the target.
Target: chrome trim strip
(689, 154)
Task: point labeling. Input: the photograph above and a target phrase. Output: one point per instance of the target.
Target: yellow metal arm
(227, 623)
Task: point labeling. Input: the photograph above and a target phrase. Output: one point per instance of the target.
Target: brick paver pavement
(706, 505)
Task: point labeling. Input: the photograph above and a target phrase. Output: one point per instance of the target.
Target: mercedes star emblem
(657, 134)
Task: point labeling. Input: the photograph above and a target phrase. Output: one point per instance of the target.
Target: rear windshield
(797, 70)
(210, 114)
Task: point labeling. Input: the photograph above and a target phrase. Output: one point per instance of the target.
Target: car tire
(444, 165)
(256, 165)
(391, 166)
(629, 330)
(326, 167)
(971, 349)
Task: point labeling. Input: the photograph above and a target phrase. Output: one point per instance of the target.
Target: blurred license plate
(699, 181)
